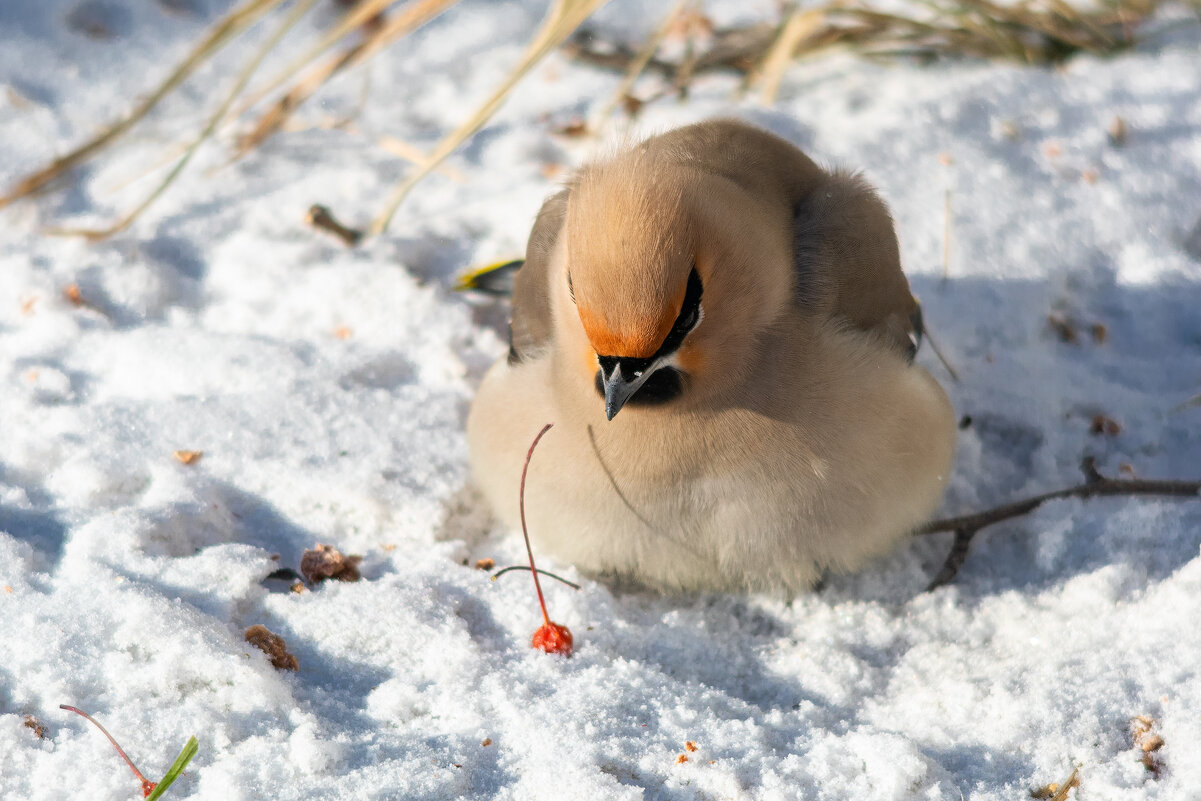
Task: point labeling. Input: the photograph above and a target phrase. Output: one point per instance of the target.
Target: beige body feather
(800, 437)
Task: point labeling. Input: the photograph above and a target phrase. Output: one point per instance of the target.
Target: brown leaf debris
(39, 730)
(325, 561)
(1064, 328)
(188, 457)
(574, 128)
(1102, 424)
(1055, 791)
(1142, 732)
(273, 646)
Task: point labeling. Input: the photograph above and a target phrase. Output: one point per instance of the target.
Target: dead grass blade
(1029, 31)
(801, 27)
(409, 20)
(293, 17)
(563, 18)
(1191, 402)
(638, 64)
(227, 29)
(410, 152)
(355, 18)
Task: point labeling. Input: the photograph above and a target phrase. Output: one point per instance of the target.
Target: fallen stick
(1096, 485)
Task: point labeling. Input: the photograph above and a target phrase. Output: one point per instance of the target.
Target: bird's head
(672, 273)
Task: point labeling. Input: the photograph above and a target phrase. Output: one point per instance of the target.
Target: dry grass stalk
(1042, 32)
(298, 11)
(1037, 31)
(383, 35)
(1193, 401)
(410, 152)
(564, 17)
(358, 16)
(228, 28)
(802, 26)
(638, 65)
(946, 235)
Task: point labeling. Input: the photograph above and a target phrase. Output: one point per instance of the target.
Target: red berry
(553, 639)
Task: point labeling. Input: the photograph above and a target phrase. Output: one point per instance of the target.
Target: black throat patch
(665, 384)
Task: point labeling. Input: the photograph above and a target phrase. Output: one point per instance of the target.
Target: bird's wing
(847, 259)
(848, 263)
(530, 326)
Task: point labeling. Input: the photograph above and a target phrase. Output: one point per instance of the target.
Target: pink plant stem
(120, 750)
(524, 532)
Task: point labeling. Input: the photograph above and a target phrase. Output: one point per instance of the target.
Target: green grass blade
(181, 762)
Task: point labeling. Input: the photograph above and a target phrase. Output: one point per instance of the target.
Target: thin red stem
(120, 750)
(524, 532)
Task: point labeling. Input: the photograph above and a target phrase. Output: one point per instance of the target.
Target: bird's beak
(620, 387)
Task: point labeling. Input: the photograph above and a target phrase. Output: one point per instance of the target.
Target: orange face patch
(637, 338)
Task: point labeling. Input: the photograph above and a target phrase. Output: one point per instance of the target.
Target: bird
(722, 335)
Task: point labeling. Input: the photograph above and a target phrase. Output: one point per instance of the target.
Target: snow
(327, 389)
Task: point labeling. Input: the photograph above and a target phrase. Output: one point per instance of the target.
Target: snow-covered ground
(327, 389)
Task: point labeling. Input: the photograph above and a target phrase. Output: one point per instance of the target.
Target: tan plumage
(786, 433)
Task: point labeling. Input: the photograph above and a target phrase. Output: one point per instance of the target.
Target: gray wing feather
(530, 326)
(848, 262)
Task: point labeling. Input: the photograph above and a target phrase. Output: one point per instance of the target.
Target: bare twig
(1096, 485)
(955, 559)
